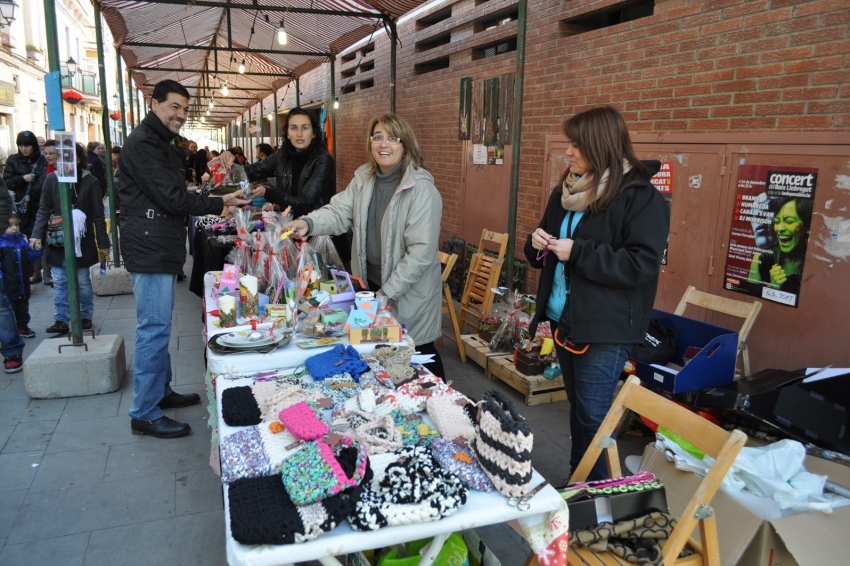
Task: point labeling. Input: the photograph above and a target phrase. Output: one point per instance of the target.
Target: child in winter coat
(16, 260)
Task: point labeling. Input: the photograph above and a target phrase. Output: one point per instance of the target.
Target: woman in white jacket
(395, 211)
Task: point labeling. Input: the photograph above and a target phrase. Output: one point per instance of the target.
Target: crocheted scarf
(576, 194)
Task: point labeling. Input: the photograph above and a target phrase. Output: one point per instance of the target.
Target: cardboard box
(713, 366)
(615, 507)
(748, 539)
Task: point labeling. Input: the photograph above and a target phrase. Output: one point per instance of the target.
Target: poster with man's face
(770, 231)
(66, 157)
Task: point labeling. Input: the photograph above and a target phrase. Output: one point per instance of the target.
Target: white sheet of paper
(422, 358)
(479, 154)
(825, 374)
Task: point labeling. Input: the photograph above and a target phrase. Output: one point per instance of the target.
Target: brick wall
(692, 66)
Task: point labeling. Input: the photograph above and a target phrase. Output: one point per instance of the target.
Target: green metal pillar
(297, 93)
(64, 192)
(516, 140)
(276, 124)
(130, 100)
(110, 181)
(260, 119)
(121, 95)
(392, 65)
(249, 146)
(333, 105)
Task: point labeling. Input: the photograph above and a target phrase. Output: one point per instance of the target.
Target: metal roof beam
(209, 72)
(257, 8)
(267, 89)
(230, 49)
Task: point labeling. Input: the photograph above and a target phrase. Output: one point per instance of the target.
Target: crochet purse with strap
(304, 421)
(317, 471)
(450, 418)
(503, 444)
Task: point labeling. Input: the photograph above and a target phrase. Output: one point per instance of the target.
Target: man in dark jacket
(11, 343)
(97, 166)
(154, 204)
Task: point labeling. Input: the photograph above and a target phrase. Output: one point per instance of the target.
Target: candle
(227, 311)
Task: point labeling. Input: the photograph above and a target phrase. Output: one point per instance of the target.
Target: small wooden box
(528, 363)
(383, 335)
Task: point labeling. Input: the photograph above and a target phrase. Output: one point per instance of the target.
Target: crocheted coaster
(256, 451)
(304, 421)
(408, 487)
(339, 360)
(252, 404)
(414, 431)
(239, 408)
(261, 512)
(460, 461)
(377, 376)
(338, 388)
(503, 445)
(450, 418)
(317, 471)
(378, 434)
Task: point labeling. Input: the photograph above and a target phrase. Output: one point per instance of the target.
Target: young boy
(16, 260)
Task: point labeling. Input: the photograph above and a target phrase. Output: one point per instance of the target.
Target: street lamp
(71, 64)
(7, 11)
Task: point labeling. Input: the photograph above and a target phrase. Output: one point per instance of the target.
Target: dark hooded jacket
(16, 258)
(154, 200)
(613, 267)
(26, 194)
(313, 188)
(5, 206)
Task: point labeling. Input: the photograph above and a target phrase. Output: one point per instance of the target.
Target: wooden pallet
(477, 350)
(536, 388)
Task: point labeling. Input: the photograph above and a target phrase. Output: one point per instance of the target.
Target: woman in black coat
(86, 197)
(24, 175)
(599, 246)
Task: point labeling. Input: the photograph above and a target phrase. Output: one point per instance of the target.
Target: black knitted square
(261, 511)
(239, 408)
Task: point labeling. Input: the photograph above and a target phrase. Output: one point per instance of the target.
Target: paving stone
(30, 437)
(120, 314)
(18, 470)
(158, 456)
(12, 410)
(92, 407)
(44, 410)
(70, 469)
(10, 503)
(5, 433)
(123, 302)
(15, 389)
(93, 507)
(188, 540)
(193, 342)
(84, 435)
(198, 491)
(68, 551)
(188, 367)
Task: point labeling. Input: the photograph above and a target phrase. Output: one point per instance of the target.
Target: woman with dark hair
(304, 171)
(782, 265)
(87, 220)
(200, 163)
(264, 151)
(599, 246)
(24, 175)
(97, 166)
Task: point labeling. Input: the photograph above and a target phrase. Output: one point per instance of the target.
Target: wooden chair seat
(483, 275)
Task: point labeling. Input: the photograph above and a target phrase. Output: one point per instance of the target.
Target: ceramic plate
(240, 340)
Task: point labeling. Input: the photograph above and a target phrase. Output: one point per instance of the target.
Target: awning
(201, 43)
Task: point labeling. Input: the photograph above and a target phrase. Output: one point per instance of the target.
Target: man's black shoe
(163, 427)
(86, 324)
(181, 276)
(57, 328)
(174, 400)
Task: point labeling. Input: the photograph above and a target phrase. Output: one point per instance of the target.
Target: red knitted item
(303, 421)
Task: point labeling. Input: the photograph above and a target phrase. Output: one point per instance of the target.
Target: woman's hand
(540, 239)
(777, 274)
(259, 191)
(35, 244)
(561, 248)
(299, 228)
(29, 177)
(234, 199)
(268, 207)
(226, 159)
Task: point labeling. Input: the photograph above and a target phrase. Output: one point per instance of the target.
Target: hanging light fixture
(242, 67)
(336, 103)
(281, 33)
(224, 90)
(270, 116)
(203, 119)
(208, 112)
(7, 12)
(211, 104)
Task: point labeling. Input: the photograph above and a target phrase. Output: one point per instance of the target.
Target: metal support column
(298, 93)
(276, 124)
(333, 106)
(516, 140)
(110, 181)
(121, 95)
(64, 191)
(130, 99)
(392, 65)
(260, 122)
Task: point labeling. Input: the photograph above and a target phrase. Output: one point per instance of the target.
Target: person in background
(40, 268)
(11, 343)
(264, 151)
(214, 154)
(51, 154)
(97, 167)
(86, 198)
(395, 211)
(16, 260)
(599, 246)
(41, 142)
(24, 175)
(154, 206)
(238, 154)
(116, 151)
(200, 164)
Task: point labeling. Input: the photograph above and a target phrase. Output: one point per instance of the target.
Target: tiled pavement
(77, 488)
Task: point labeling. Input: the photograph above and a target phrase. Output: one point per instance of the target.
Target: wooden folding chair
(448, 261)
(708, 437)
(483, 275)
(741, 309)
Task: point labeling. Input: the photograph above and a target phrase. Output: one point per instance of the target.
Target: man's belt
(150, 214)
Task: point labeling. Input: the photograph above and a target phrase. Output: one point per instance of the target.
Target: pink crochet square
(303, 422)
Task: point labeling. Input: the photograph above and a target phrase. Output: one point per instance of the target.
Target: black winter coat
(314, 187)
(5, 206)
(98, 168)
(16, 260)
(154, 201)
(613, 266)
(85, 196)
(16, 167)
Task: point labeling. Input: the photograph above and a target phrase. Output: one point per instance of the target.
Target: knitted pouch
(414, 431)
(239, 408)
(449, 416)
(304, 421)
(261, 512)
(412, 395)
(256, 451)
(339, 360)
(408, 487)
(338, 388)
(252, 404)
(460, 461)
(378, 434)
(503, 444)
(315, 472)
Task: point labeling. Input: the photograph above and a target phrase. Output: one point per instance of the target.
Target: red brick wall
(711, 66)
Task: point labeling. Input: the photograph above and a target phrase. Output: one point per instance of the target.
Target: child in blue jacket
(16, 260)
